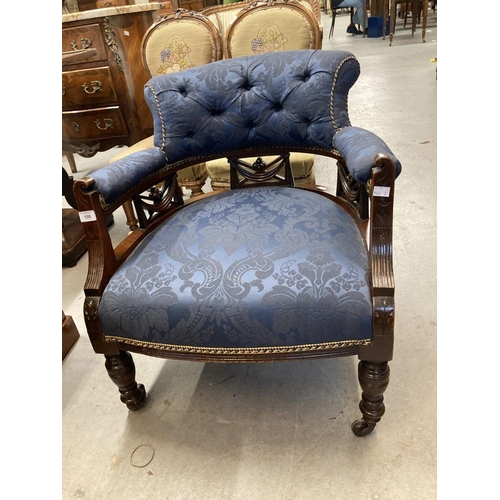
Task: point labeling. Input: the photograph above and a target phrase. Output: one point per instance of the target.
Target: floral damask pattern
(248, 268)
(139, 298)
(285, 99)
(282, 98)
(314, 286)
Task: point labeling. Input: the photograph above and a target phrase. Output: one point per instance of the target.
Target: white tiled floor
(282, 431)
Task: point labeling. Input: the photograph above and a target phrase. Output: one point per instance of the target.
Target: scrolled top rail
(289, 99)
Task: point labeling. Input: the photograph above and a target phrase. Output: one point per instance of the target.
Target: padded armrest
(359, 147)
(115, 179)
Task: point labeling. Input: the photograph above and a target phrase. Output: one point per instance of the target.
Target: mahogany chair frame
(374, 216)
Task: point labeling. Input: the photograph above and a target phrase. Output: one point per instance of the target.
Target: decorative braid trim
(333, 90)
(163, 131)
(241, 350)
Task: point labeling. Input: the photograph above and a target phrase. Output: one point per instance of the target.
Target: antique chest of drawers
(103, 78)
(167, 6)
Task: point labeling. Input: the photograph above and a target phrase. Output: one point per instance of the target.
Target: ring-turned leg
(374, 379)
(121, 369)
(132, 221)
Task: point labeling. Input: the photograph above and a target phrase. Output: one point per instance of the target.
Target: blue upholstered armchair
(263, 271)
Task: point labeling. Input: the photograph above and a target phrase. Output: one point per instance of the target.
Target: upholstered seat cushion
(250, 268)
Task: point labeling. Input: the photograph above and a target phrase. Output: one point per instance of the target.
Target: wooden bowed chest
(103, 78)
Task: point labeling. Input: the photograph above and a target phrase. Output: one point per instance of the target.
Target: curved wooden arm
(102, 259)
(381, 224)
(381, 192)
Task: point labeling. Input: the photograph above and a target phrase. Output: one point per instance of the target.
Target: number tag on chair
(87, 216)
(382, 191)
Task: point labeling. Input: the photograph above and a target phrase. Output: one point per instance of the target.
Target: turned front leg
(374, 379)
(121, 369)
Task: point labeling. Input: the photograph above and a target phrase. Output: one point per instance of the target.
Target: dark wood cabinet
(167, 6)
(103, 80)
(101, 4)
(83, 5)
(191, 4)
(70, 334)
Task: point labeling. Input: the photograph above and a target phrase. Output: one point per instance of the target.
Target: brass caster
(142, 399)
(362, 428)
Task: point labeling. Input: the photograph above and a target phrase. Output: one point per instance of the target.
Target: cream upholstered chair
(315, 7)
(179, 41)
(223, 15)
(270, 26)
(175, 42)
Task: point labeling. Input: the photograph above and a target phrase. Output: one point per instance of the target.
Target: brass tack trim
(242, 350)
(335, 76)
(163, 131)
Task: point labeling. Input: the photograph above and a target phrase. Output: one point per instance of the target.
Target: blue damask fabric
(117, 178)
(288, 99)
(268, 266)
(359, 148)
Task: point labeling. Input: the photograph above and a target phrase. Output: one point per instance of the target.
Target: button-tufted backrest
(291, 100)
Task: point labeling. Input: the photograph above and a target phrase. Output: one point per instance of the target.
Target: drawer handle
(96, 86)
(75, 126)
(108, 123)
(86, 43)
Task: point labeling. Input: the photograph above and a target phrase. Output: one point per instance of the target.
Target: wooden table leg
(364, 18)
(385, 12)
(425, 7)
(393, 21)
(132, 221)
(70, 334)
(71, 160)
